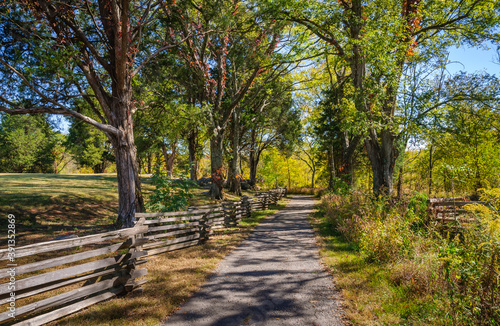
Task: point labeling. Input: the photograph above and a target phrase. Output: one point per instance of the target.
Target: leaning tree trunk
(216, 162)
(234, 173)
(129, 185)
(169, 158)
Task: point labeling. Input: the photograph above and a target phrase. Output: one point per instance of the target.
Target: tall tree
(55, 51)
(376, 39)
(221, 29)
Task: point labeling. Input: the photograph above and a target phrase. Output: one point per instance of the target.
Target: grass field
(49, 205)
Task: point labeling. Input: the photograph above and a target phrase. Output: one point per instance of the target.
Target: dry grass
(172, 279)
(306, 191)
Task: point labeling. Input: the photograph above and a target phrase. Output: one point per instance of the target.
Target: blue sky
(474, 60)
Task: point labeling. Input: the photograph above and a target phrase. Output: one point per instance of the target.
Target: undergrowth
(395, 267)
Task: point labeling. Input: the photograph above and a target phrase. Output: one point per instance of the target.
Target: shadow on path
(273, 278)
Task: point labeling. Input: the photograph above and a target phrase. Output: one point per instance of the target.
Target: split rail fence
(445, 210)
(53, 279)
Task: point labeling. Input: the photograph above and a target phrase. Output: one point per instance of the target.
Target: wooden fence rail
(446, 210)
(53, 279)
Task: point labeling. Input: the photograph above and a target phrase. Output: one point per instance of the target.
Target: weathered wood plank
(70, 243)
(200, 210)
(173, 247)
(59, 313)
(62, 299)
(28, 268)
(171, 227)
(169, 234)
(171, 241)
(42, 288)
(63, 273)
(456, 204)
(174, 219)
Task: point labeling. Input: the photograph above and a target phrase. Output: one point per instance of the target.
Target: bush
(343, 213)
(170, 195)
(382, 231)
(472, 265)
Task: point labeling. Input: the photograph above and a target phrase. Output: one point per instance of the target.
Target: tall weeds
(457, 266)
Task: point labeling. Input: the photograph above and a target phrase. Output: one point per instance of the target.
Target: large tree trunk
(349, 149)
(192, 148)
(382, 157)
(216, 162)
(234, 173)
(129, 186)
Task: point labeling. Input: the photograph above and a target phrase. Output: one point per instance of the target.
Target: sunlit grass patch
(49, 205)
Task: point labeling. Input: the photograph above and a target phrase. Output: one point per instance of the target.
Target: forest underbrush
(395, 265)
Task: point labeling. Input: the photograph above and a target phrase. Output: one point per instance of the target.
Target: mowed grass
(370, 291)
(172, 279)
(50, 205)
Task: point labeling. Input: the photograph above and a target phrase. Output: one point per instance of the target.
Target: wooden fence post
(238, 207)
(135, 251)
(229, 209)
(245, 203)
(204, 228)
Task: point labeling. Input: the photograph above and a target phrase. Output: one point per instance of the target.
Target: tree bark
(234, 173)
(193, 160)
(216, 162)
(254, 158)
(149, 163)
(169, 158)
(382, 157)
(129, 186)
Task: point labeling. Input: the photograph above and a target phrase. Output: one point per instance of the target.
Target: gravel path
(273, 278)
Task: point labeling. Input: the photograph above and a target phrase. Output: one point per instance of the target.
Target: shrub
(305, 191)
(382, 231)
(343, 213)
(472, 265)
(170, 195)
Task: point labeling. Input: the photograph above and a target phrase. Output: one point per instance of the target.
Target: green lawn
(49, 205)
